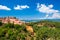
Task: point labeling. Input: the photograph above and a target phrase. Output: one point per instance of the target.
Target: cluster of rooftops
(11, 20)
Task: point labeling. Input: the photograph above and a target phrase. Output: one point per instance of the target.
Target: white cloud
(50, 6)
(18, 7)
(4, 7)
(55, 16)
(48, 10)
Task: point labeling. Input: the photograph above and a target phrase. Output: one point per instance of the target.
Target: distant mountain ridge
(58, 20)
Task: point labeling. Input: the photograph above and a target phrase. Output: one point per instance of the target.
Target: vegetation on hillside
(43, 30)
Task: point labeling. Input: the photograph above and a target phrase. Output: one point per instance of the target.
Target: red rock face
(29, 28)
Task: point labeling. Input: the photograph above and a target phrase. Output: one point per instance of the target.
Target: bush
(9, 25)
(19, 27)
(1, 23)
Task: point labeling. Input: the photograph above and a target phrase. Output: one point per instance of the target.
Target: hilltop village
(11, 20)
(14, 20)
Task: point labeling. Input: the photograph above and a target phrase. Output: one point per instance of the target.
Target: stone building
(11, 20)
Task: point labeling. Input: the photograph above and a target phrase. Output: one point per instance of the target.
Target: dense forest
(42, 30)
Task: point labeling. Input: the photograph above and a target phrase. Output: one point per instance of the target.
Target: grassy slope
(49, 30)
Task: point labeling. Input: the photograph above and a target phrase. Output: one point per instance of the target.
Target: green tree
(1, 23)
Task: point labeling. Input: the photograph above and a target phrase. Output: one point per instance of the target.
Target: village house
(11, 20)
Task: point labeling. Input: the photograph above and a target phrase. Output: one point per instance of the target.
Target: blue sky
(30, 9)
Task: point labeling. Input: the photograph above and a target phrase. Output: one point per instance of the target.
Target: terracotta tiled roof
(11, 20)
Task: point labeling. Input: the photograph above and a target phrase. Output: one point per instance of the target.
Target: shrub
(1, 23)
